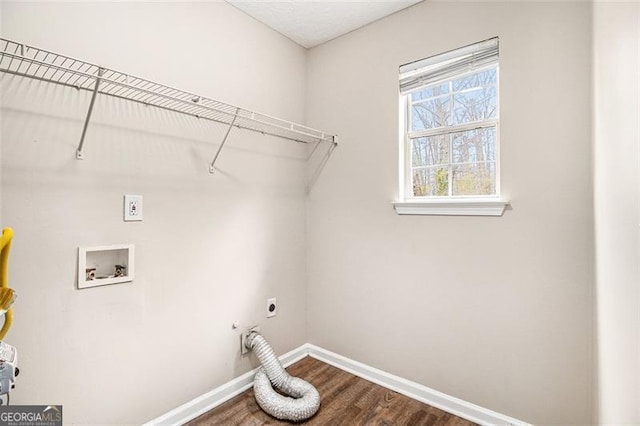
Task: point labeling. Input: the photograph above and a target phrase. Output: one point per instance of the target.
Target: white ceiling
(312, 22)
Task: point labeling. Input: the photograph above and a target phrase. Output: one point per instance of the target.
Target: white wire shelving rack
(32, 62)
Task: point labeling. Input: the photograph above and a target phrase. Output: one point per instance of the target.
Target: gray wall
(496, 311)
(211, 248)
(616, 176)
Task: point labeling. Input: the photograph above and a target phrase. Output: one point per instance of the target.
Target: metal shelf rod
(79, 154)
(212, 166)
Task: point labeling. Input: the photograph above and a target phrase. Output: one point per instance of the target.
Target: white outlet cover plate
(132, 208)
(275, 311)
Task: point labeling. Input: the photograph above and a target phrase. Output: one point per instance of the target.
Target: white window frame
(474, 205)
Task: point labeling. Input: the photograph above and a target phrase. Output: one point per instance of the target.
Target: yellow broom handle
(5, 247)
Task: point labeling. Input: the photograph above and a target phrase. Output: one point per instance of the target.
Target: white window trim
(445, 206)
(453, 207)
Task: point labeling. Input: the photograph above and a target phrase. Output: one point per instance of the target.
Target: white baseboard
(200, 405)
(414, 390)
(450, 404)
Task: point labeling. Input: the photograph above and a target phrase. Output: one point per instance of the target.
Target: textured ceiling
(312, 22)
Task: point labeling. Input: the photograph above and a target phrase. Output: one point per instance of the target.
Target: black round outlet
(272, 307)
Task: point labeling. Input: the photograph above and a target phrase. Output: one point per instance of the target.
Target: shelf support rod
(79, 153)
(212, 168)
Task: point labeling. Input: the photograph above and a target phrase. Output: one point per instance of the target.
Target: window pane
(431, 113)
(475, 105)
(474, 179)
(430, 151)
(474, 145)
(479, 79)
(430, 92)
(430, 182)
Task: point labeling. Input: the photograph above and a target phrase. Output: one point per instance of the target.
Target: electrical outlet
(132, 208)
(243, 339)
(272, 307)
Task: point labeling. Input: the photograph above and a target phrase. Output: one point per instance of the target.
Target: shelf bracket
(79, 153)
(212, 168)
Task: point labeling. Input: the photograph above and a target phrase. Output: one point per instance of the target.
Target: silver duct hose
(304, 400)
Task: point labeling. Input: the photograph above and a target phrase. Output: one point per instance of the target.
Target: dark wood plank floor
(345, 400)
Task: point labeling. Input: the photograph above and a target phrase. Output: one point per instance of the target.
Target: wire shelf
(28, 61)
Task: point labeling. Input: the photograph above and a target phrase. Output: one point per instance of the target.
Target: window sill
(460, 207)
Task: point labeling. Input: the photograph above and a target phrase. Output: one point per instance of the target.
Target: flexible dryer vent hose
(304, 398)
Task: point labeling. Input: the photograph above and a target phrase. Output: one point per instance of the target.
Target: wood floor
(345, 400)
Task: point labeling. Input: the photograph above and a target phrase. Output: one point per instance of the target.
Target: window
(449, 117)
